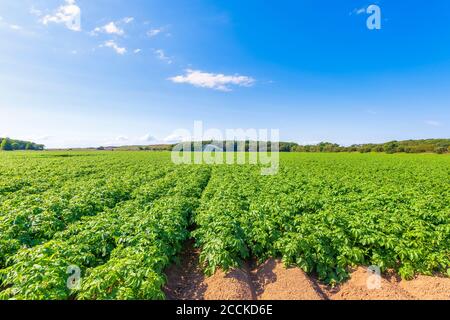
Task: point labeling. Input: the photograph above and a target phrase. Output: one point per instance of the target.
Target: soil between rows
(272, 281)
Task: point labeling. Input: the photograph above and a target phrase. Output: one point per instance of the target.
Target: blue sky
(134, 71)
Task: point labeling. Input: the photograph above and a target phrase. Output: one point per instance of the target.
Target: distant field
(123, 217)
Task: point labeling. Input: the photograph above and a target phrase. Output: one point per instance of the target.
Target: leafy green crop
(326, 212)
(123, 217)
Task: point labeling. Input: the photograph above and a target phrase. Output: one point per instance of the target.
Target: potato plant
(122, 218)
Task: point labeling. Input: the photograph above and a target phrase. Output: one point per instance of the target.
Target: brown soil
(272, 281)
(428, 288)
(187, 281)
(356, 288)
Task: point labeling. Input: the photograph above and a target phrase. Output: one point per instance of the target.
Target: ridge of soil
(272, 281)
(186, 281)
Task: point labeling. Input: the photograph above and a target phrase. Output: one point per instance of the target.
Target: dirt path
(427, 288)
(358, 288)
(187, 281)
(272, 281)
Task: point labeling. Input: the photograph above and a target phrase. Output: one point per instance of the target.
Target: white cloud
(122, 138)
(433, 123)
(5, 25)
(11, 26)
(35, 12)
(176, 138)
(147, 138)
(68, 14)
(113, 27)
(137, 51)
(112, 44)
(161, 55)
(128, 20)
(44, 138)
(15, 27)
(154, 32)
(109, 28)
(214, 81)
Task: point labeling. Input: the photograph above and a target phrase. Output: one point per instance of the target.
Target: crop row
(37, 218)
(122, 218)
(326, 213)
(121, 251)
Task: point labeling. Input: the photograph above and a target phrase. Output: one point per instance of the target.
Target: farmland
(123, 218)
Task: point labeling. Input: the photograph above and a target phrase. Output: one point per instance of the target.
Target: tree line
(7, 144)
(439, 146)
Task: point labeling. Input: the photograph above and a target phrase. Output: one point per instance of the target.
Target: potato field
(122, 218)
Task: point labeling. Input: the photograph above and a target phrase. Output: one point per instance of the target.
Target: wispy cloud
(213, 81)
(176, 138)
(433, 123)
(128, 20)
(67, 14)
(109, 28)
(122, 138)
(112, 44)
(44, 138)
(35, 12)
(113, 27)
(161, 55)
(136, 51)
(147, 138)
(15, 27)
(154, 32)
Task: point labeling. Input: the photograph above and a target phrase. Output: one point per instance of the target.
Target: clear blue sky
(143, 68)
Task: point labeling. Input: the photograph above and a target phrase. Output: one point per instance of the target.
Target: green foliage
(325, 213)
(391, 147)
(7, 144)
(122, 218)
(439, 146)
(122, 233)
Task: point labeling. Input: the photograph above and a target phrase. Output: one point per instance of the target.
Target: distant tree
(6, 145)
(287, 146)
(440, 150)
(29, 146)
(408, 146)
(409, 150)
(391, 147)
